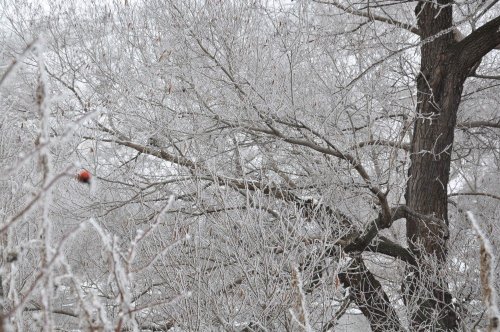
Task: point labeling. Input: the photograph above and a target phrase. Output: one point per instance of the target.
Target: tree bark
(445, 65)
(366, 291)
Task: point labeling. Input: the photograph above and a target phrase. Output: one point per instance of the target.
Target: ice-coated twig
(487, 264)
(18, 59)
(299, 312)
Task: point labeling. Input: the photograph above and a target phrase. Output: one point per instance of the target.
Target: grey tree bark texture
(445, 65)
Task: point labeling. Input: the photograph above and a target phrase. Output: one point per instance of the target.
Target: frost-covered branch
(487, 274)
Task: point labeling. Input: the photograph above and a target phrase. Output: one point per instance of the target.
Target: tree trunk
(440, 84)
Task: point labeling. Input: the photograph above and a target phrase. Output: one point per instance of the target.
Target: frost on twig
(299, 312)
(10, 68)
(487, 263)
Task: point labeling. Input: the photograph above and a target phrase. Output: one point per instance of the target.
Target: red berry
(84, 176)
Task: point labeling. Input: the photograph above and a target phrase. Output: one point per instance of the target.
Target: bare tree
(257, 166)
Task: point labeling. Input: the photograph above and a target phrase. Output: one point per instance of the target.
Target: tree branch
(475, 124)
(381, 142)
(371, 16)
(385, 246)
(389, 248)
(475, 194)
(473, 47)
(14, 62)
(330, 150)
(361, 242)
(364, 281)
(403, 116)
(488, 77)
(368, 294)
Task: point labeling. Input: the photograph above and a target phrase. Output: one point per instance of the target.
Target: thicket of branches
(257, 165)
